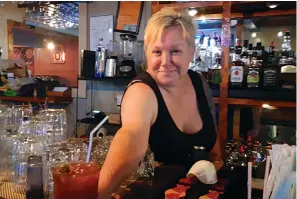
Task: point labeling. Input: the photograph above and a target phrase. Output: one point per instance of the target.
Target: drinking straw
(91, 137)
(267, 167)
(249, 180)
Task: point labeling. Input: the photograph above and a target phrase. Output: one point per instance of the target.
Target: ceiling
(55, 14)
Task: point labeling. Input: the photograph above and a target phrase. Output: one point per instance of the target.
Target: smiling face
(169, 56)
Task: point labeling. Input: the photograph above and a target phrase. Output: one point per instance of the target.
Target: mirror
(128, 17)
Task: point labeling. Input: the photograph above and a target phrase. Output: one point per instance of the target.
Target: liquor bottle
(201, 38)
(245, 48)
(287, 76)
(286, 45)
(287, 64)
(100, 59)
(270, 76)
(271, 53)
(215, 68)
(245, 58)
(208, 41)
(250, 50)
(237, 69)
(215, 37)
(253, 71)
(264, 55)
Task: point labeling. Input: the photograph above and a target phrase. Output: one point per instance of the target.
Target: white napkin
(204, 171)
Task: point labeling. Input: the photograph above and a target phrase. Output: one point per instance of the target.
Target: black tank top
(169, 144)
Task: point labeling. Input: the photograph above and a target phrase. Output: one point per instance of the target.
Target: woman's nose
(166, 59)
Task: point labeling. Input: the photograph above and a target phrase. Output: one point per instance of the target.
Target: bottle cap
(250, 46)
(245, 43)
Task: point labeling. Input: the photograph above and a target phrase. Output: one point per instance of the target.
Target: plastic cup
(76, 180)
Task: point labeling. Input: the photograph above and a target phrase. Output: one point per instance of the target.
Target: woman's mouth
(169, 71)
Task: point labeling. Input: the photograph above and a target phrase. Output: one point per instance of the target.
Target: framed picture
(128, 17)
(58, 55)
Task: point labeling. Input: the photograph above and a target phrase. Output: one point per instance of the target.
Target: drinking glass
(56, 123)
(4, 112)
(146, 166)
(100, 149)
(58, 153)
(18, 114)
(76, 180)
(25, 147)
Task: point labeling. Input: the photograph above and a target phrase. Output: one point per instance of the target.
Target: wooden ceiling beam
(250, 15)
(194, 4)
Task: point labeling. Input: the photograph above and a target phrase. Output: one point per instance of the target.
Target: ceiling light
(267, 106)
(50, 46)
(193, 12)
(280, 34)
(203, 19)
(254, 34)
(272, 5)
(233, 22)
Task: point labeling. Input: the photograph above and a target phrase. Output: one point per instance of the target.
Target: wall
(42, 56)
(9, 10)
(68, 71)
(101, 95)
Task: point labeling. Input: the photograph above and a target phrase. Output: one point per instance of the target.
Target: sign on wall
(101, 27)
(58, 55)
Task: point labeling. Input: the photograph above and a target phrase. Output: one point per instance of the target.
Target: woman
(166, 107)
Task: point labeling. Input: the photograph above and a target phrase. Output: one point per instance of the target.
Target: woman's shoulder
(141, 85)
(195, 73)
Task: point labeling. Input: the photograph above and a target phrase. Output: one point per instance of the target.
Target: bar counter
(165, 177)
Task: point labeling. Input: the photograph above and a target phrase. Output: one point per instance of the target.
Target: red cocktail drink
(77, 180)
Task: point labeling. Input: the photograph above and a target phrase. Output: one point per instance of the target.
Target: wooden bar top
(54, 99)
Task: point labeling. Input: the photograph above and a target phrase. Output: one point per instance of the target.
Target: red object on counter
(180, 188)
(185, 181)
(177, 192)
(77, 180)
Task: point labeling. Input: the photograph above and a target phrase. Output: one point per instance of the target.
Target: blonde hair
(166, 18)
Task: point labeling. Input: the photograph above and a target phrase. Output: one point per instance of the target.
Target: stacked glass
(23, 135)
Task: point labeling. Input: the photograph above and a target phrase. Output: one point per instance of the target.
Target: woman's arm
(138, 112)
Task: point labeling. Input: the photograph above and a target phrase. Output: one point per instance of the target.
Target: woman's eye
(174, 52)
(157, 52)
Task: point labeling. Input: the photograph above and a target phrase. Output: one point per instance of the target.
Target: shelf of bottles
(262, 70)
(207, 57)
(255, 66)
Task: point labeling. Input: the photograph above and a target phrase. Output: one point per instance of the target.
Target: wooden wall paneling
(10, 25)
(155, 7)
(250, 15)
(194, 4)
(223, 104)
(236, 123)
